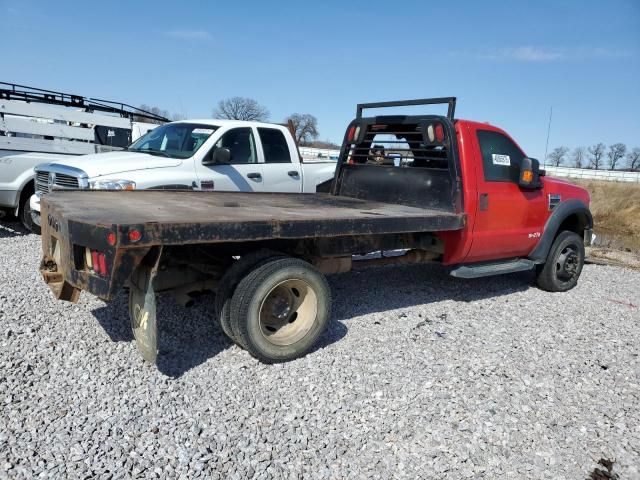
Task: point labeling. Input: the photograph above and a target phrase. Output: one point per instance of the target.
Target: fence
(588, 174)
(311, 154)
(319, 154)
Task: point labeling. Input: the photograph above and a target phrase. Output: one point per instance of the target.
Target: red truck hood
(566, 189)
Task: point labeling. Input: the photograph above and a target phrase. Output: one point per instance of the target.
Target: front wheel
(280, 309)
(29, 218)
(564, 263)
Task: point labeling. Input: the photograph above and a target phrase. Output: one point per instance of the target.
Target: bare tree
(616, 152)
(633, 157)
(557, 155)
(578, 156)
(156, 111)
(305, 127)
(241, 108)
(596, 152)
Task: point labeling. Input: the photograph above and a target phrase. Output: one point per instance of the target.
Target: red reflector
(94, 261)
(439, 132)
(111, 238)
(102, 261)
(134, 235)
(350, 134)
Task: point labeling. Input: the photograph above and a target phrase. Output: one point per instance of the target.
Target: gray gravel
(420, 376)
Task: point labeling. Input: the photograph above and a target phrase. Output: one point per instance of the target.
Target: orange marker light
(527, 176)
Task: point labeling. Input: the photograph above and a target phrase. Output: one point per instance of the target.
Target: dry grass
(616, 210)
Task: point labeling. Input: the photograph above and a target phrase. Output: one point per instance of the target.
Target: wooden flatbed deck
(181, 217)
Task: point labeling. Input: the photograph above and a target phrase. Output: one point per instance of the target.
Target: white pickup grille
(46, 181)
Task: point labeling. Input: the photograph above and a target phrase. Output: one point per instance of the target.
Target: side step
(495, 268)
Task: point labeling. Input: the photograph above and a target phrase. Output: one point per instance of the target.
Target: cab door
(243, 172)
(509, 220)
(281, 174)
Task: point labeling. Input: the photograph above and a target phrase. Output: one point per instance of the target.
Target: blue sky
(507, 62)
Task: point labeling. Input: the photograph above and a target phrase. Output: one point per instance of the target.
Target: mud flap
(142, 309)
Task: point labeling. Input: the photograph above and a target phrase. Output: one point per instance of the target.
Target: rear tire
(228, 283)
(564, 263)
(280, 309)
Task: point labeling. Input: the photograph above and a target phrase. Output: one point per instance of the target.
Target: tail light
(350, 133)
(96, 262)
(435, 132)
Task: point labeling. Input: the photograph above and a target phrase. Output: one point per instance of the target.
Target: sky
(506, 62)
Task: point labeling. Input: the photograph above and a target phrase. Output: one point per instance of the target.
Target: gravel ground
(420, 376)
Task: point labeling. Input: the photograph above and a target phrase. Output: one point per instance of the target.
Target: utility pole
(546, 148)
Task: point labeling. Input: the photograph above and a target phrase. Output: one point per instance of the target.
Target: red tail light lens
(350, 133)
(96, 262)
(102, 262)
(134, 235)
(439, 132)
(111, 238)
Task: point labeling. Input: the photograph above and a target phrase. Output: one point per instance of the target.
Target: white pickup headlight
(109, 184)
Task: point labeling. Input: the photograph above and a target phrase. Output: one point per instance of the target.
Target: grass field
(616, 212)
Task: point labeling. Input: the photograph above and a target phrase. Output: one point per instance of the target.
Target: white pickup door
(262, 159)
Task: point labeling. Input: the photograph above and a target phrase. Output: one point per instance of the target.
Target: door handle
(484, 202)
(293, 173)
(254, 175)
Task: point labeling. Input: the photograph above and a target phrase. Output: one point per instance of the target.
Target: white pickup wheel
(280, 309)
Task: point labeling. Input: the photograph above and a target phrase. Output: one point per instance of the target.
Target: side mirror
(529, 174)
(220, 156)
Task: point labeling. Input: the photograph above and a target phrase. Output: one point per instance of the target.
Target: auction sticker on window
(501, 159)
(203, 131)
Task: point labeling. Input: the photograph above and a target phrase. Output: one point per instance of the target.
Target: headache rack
(405, 159)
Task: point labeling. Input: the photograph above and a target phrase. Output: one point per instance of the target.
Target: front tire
(564, 263)
(280, 309)
(26, 215)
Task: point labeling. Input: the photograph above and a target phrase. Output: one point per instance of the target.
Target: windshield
(175, 140)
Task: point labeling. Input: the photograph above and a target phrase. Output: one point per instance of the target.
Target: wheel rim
(567, 264)
(288, 312)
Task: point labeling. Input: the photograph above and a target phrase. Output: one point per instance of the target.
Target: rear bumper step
(494, 268)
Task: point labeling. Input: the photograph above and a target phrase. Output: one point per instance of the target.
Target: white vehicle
(207, 155)
(38, 126)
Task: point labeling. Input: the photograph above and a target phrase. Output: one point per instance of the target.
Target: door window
(501, 158)
(241, 144)
(274, 145)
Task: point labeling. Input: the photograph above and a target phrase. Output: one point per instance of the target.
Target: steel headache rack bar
(451, 101)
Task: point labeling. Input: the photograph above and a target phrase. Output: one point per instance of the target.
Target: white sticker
(501, 159)
(204, 131)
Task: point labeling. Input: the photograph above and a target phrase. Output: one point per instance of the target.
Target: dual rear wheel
(277, 310)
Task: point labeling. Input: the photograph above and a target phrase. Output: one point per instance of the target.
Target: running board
(495, 268)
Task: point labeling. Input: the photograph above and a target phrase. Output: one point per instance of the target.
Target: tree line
(597, 157)
(305, 125)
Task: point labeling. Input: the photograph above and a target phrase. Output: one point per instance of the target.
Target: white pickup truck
(208, 155)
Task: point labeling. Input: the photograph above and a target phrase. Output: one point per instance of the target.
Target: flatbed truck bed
(179, 217)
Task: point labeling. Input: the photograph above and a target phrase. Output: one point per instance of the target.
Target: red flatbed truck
(436, 188)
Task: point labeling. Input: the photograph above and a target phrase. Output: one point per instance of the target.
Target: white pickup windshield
(175, 140)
